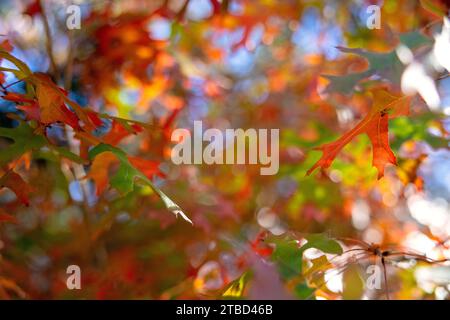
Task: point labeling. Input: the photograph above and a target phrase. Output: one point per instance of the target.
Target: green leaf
(127, 174)
(322, 242)
(386, 65)
(65, 153)
(415, 39)
(345, 84)
(288, 256)
(302, 291)
(16, 72)
(24, 70)
(24, 141)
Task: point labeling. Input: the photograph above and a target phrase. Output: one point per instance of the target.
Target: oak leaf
(127, 174)
(51, 103)
(100, 170)
(119, 131)
(375, 126)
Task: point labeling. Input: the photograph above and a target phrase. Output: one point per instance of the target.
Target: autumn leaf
(126, 175)
(149, 168)
(315, 275)
(15, 182)
(94, 118)
(375, 125)
(17, 98)
(100, 170)
(103, 164)
(236, 287)
(120, 131)
(87, 118)
(51, 103)
(377, 130)
(25, 104)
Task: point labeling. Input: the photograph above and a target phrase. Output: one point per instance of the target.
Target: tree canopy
(93, 92)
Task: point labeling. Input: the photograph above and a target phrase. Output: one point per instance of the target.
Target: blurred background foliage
(231, 64)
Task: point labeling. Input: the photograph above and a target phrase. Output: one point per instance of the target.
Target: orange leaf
(100, 170)
(51, 103)
(375, 125)
(103, 165)
(15, 182)
(377, 130)
(148, 167)
(119, 132)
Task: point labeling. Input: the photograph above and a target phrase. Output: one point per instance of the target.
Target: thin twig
(49, 45)
(3, 88)
(68, 72)
(11, 84)
(78, 170)
(386, 288)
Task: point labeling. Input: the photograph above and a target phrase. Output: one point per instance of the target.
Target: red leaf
(119, 132)
(95, 119)
(17, 97)
(27, 105)
(259, 246)
(31, 111)
(167, 130)
(15, 182)
(148, 167)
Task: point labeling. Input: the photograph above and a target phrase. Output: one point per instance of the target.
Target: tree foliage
(86, 177)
